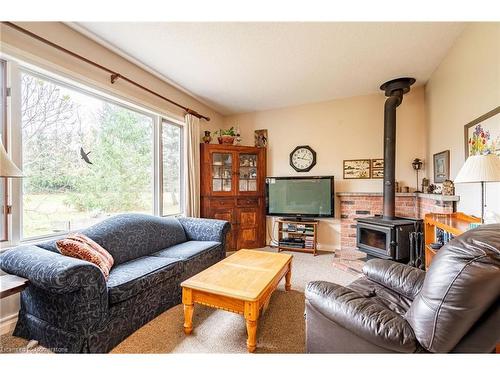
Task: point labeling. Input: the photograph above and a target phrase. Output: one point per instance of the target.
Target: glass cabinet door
(247, 172)
(222, 172)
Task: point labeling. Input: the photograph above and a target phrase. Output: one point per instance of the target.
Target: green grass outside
(46, 214)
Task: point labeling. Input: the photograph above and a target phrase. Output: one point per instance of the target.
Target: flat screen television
(298, 197)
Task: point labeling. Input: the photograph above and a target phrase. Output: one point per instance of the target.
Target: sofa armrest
(205, 229)
(362, 316)
(401, 278)
(51, 271)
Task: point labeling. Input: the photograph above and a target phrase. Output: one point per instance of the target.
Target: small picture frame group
(363, 169)
(377, 168)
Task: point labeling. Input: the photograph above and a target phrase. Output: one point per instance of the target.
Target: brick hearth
(411, 205)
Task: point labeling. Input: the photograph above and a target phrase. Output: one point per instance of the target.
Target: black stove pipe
(395, 90)
(390, 153)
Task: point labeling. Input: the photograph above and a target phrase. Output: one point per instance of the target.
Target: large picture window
(85, 158)
(171, 168)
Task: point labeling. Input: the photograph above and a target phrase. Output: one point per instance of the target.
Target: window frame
(15, 67)
(4, 235)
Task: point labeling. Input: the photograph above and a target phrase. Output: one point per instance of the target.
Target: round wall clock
(303, 158)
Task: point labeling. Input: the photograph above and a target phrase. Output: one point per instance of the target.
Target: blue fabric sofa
(70, 307)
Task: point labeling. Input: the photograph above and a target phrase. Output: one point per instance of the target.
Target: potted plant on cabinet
(226, 136)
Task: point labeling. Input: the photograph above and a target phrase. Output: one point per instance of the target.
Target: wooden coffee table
(242, 283)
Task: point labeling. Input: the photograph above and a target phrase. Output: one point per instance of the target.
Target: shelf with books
(441, 228)
(298, 235)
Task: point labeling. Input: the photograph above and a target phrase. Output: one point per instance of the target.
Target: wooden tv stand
(306, 230)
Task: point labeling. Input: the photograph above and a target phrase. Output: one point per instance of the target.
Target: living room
(251, 187)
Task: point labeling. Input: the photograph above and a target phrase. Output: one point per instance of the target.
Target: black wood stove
(387, 236)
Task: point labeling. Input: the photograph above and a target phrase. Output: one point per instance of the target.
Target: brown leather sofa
(395, 308)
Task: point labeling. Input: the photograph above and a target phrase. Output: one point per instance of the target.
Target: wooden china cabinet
(232, 189)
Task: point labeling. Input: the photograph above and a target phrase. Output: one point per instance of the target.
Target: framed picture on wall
(482, 135)
(260, 138)
(441, 166)
(377, 172)
(357, 169)
(377, 168)
(377, 163)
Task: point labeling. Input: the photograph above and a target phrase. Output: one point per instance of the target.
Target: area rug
(281, 327)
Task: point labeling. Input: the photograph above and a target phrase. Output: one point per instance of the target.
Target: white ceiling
(245, 67)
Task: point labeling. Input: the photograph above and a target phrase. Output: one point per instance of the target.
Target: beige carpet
(281, 328)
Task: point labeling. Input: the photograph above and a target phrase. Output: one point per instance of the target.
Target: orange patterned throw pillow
(81, 247)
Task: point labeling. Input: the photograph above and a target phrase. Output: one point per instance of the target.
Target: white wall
(465, 86)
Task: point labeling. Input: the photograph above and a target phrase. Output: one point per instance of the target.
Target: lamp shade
(7, 167)
(480, 168)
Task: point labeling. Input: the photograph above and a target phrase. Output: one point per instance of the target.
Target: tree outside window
(172, 151)
(62, 191)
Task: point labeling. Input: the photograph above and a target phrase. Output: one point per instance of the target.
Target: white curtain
(192, 166)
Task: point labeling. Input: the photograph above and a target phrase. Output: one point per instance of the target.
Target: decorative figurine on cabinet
(448, 187)
(207, 138)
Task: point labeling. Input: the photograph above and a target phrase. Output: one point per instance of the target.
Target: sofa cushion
(362, 316)
(398, 277)
(130, 236)
(135, 276)
(381, 295)
(81, 247)
(187, 250)
(49, 246)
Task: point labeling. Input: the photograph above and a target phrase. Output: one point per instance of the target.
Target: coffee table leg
(252, 335)
(266, 304)
(288, 278)
(251, 316)
(187, 300)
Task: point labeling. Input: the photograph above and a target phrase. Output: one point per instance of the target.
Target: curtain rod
(114, 75)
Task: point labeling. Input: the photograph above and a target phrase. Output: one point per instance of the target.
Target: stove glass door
(373, 238)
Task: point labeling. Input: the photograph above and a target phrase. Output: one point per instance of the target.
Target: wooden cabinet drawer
(247, 202)
(222, 202)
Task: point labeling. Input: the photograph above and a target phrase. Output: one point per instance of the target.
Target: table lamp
(480, 168)
(7, 169)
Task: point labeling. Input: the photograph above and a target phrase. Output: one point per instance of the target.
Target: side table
(12, 284)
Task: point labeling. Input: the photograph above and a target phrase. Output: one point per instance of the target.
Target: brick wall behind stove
(352, 207)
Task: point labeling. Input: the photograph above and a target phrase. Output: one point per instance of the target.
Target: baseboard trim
(326, 247)
(321, 247)
(8, 323)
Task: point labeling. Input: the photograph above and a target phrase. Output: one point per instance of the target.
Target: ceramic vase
(226, 139)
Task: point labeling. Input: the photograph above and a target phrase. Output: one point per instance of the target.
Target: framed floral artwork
(482, 136)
